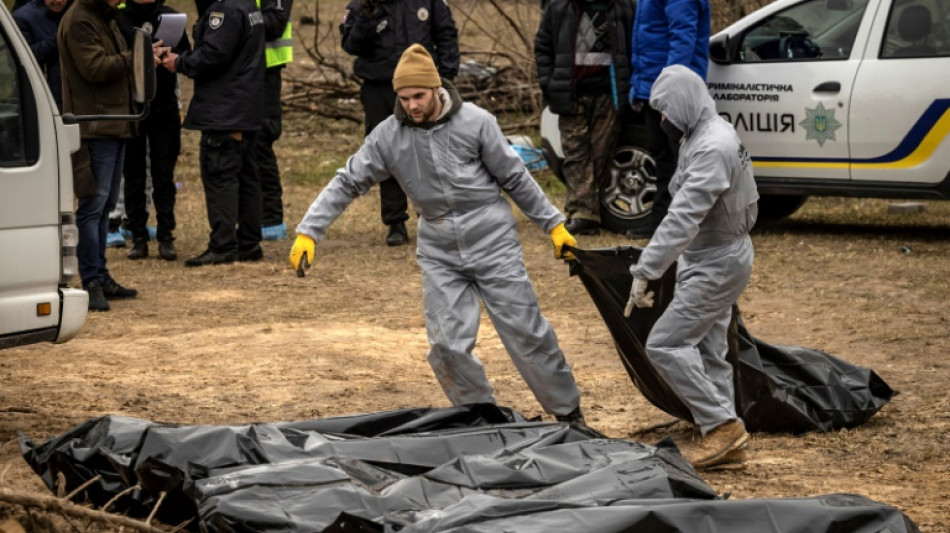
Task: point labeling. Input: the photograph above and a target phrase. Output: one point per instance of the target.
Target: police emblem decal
(215, 19)
(423, 14)
(820, 124)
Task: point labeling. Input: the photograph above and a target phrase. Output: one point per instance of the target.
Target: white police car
(838, 98)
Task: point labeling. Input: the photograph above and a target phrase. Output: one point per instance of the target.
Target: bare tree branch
(52, 504)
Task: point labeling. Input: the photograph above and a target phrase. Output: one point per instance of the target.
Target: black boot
(574, 417)
(211, 258)
(97, 299)
(113, 291)
(582, 226)
(166, 250)
(139, 249)
(398, 235)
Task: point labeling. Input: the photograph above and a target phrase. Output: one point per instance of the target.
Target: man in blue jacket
(665, 32)
(38, 21)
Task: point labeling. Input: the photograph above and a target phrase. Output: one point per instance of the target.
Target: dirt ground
(252, 342)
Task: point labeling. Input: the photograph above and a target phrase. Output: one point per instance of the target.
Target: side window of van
(814, 30)
(12, 149)
(917, 28)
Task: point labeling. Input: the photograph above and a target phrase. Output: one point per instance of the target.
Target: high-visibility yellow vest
(280, 51)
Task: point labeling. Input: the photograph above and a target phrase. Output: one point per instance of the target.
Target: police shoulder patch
(215, 19)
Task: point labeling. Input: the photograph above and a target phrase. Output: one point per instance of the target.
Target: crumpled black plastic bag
(126, 451)
(778, 388)
(345, 475)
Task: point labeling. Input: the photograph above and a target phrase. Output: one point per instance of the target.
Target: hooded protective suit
(454, 171)
(707, 228)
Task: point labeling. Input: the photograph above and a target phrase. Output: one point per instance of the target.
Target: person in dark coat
(377, 32)
(582, 52)
(96, 69)
(157, 145)
(227, 65)
(38, 21)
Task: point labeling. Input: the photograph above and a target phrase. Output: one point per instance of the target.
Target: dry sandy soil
(252, 342)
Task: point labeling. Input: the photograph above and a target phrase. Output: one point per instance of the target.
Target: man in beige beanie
(453, 161)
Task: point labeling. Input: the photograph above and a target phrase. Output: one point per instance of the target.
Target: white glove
(639, 297)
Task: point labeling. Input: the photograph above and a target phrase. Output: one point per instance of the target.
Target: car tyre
(774, 207)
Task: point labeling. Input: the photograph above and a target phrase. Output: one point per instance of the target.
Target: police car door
(788, 86)
(900, 112)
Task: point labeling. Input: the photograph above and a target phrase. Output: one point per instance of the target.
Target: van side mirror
(143, 67)
(721, 49)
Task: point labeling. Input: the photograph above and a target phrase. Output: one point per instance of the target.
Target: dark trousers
(665, 157)
(232, 190)
(155, 150)
(379, 100)
(92, 213)
(272, 193)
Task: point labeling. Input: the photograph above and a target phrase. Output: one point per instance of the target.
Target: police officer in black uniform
(227, 65)
(377, 32)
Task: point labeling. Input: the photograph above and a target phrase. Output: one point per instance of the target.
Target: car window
(814, 30)
(12, 149)
(917, 28)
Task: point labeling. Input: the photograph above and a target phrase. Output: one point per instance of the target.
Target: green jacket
(96, 68)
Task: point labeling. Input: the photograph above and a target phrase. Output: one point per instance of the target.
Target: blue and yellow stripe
(915, 148)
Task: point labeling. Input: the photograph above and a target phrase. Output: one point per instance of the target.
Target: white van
(830, 97)
(38, 235)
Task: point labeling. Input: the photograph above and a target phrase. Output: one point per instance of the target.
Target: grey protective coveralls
(715, 204)
(454, 171)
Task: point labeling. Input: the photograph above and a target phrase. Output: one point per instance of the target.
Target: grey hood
(715, 201)
(681, 95)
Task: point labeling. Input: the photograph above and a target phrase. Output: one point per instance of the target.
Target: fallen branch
(52, 504)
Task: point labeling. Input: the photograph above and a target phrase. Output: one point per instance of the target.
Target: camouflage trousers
(588, 138)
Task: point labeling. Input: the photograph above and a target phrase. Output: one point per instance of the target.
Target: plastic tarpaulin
(778, 388)
(470, 468)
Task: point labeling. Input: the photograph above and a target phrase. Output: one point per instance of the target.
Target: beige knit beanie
(416, 69)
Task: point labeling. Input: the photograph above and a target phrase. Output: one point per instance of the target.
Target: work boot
(716, 445)
(582, 226)
(734, 460)
(97, 300)
(574, 417)
(166, 250)
(398, 235)
(113, 291)
(139, 249)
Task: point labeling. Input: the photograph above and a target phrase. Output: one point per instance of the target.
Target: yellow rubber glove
(560, 236)
(301, 254)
